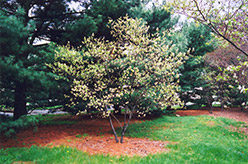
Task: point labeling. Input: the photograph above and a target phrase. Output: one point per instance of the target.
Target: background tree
(132, 71)
(226, 18)
(183, 36)
(232, 70)
(22, 25)
(216, 87)
(199, 40)
(156, 17)
(16, 72)
(102, 10)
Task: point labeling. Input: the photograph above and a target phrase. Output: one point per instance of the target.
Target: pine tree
(200, 41)
(24, 74)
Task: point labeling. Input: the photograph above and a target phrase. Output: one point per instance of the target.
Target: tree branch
(113, 129)
(225, 38)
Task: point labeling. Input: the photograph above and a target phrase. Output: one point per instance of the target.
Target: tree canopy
(23, 70)
(135, 71)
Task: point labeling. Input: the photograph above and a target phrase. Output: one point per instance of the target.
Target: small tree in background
(226, 18)
(228, 74)
(240, 75)
(216, 87)
(135, 72)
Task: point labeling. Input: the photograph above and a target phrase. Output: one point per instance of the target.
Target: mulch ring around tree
(93, 136)
(106, 145)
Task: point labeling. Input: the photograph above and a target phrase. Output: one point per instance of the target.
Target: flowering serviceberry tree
(136, 71)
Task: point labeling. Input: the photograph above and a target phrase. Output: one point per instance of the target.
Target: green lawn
(197, 139)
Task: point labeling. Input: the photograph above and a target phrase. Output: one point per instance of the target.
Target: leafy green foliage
(77, 30)
(103, 10)
(9, 128)
(133, 69)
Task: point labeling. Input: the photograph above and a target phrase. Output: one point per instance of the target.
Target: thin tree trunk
(210, 109)
(222, 105)
(113, 129)
(125, 126)
(210, 106)
(20, 100)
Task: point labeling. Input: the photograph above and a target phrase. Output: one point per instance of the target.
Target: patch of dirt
(234, 113)
(107, 146)
(194, 112)
(244, 130)
(210, 123)
(240, 129)
(93, 136)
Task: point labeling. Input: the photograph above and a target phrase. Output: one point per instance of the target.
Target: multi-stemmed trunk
(113, 129)
(124, 128)
(126, 123)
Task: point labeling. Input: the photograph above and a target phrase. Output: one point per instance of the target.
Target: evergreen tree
(156, 17)
(24, 74)
(103, 10)
(200, 42)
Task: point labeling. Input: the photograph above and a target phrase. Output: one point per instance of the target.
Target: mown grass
(202, 139)
(194, 139)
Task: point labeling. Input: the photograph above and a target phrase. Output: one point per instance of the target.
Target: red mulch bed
(233, 113)
(99, 138)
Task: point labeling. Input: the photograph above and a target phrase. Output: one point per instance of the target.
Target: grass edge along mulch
(203, 139)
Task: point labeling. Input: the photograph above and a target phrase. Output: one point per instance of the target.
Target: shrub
(9, 128)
